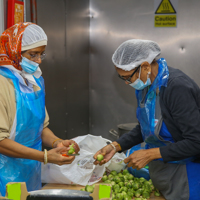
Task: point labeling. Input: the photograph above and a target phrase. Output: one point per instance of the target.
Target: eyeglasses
(128, 80)
(35, 57)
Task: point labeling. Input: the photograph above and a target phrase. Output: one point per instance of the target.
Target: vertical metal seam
(65, 2)
(5, 17)
(66, 51)
(24, 10)
(2, 16)
(90, 84)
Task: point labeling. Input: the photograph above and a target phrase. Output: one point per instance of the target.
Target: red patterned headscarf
(10, 45)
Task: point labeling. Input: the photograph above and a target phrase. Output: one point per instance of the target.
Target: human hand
(55, 156)
(139, 159)
(66, 143)
(108, 152)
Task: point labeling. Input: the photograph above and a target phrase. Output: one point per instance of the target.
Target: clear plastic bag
(82, 171)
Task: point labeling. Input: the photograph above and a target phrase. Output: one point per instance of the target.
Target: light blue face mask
(28, 65)
(139, 85)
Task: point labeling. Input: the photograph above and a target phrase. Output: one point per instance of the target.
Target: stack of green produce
(125, 186)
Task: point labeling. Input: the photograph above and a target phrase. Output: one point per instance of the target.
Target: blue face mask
(28, 65)
(139, 85)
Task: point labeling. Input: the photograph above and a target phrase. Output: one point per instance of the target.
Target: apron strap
(144, 92)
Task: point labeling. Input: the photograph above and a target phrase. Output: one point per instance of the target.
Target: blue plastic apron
(30, 115)
(146, 118)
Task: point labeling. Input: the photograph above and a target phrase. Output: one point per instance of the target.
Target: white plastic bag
(117, 163)
(82, 171)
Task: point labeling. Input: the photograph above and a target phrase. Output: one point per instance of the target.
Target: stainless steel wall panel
(77, 51)
(105, 101)
(66, 67)
(115, 21)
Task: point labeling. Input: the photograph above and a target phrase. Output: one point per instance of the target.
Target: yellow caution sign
(165, 7)
(165, 21)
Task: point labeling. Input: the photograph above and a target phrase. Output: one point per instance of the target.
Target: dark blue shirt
(180, 109)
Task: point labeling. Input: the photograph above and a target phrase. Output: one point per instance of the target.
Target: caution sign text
(165, 21)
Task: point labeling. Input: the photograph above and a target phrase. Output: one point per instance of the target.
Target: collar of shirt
(28, 77)
(26, 88)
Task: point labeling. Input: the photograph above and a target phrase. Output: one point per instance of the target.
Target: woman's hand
(108, 152)
(139, 159)
(55, 156)
(66, 143)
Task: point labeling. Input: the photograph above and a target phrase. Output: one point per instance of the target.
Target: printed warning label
(165, 21)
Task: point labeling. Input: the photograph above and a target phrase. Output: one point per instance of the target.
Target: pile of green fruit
(125, 186)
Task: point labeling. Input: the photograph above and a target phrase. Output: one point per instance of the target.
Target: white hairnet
(33, 36)
(133, 53)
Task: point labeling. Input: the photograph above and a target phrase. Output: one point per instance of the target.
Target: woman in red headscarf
(23, 117)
